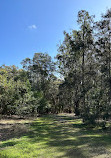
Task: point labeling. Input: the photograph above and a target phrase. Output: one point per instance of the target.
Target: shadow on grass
(71, 138)
(11, 143)
(9, 131)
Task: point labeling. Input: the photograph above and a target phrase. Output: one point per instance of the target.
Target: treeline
(85, 63)
(82, 83)
(31, 90)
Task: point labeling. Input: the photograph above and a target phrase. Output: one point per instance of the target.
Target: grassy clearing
(58, 136)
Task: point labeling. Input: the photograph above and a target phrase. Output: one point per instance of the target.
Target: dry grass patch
(13, 127)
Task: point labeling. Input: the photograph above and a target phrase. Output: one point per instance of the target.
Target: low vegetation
(54, 136)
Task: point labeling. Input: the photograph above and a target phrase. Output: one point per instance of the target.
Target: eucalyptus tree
(85, 22)
(69, 67)
(40, 70)
(103, 55)
(76, 54)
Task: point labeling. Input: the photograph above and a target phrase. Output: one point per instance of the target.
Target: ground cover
(53, 136)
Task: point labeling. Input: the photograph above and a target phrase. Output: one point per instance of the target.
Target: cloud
(32, 26)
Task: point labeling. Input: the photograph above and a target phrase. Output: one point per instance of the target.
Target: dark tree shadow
(16, 130)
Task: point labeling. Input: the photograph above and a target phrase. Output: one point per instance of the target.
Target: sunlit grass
(59, 136)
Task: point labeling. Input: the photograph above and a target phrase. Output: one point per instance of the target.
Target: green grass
(58, 136)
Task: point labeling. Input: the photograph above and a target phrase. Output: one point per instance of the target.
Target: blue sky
(29, 26)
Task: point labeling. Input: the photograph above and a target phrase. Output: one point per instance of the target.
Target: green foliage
(16, 94)
(82, 83)
(84, 61)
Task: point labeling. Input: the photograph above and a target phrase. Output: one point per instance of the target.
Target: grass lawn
(53, 136)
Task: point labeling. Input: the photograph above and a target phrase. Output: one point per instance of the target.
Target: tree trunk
(76, 107)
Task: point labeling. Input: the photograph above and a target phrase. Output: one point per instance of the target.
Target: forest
(60, 107)
(77, 81)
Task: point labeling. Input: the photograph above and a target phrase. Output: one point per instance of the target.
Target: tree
(103, 56)
(75, 50)
(41, 74)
